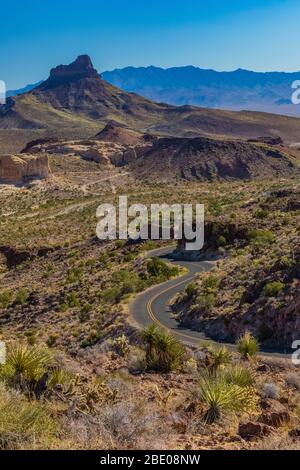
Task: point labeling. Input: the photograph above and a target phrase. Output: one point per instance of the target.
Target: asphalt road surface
(151, 306)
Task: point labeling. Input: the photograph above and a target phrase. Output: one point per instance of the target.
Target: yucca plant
(59, 376)
(219, 397)
(239, 375)
(25, 364)
(164, 352)
(247, 345)
(220, 356)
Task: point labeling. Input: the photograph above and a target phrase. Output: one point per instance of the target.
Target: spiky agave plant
(219, 397)
(247, 345)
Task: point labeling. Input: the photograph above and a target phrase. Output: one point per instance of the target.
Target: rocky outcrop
(81, 68)
(104, 153)
(13, 256)
(155, 158)
(17, 169)
(121, 134)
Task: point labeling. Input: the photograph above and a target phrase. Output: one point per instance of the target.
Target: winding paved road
(151, 306)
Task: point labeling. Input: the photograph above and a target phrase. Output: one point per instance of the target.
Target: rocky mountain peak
(81, 68)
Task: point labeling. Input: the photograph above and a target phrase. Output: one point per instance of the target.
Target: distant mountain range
(76, 102)
(238, 90)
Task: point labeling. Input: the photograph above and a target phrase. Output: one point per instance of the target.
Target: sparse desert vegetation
(80, 372)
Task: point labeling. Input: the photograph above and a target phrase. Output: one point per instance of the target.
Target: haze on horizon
(253, 35)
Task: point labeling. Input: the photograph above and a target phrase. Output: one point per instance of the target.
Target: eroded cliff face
(17, 169)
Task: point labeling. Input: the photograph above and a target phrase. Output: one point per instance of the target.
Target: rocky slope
(154, 158)
(206, 159)
(256, 286)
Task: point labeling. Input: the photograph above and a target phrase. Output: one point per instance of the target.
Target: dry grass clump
(24, 424)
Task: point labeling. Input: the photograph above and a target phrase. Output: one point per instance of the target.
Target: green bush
(22, 296)
(74, 275)
(261, 237)
(272, 289)
(190, 290)
(247, 345)
(85, 312)
(211, 283)
(161, 270)
(6, 298)
(164, 352)
(111, 295)
(221, 241)
(51, 341)
(262, 214)
(72, 300)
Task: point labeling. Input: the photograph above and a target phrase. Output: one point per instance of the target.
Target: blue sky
(224, 35)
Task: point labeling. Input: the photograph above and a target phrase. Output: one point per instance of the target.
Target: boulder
(251, 430)
(275, 414)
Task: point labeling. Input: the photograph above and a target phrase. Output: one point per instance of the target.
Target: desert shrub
(72, 300)
(25, 364)
(262, 214)
(111, 295)
(219, 396)
(161, 270)
(125, 423)
(221, 241)
(23, 424)
(74, 275)
(208, 296)
(6, 298)
(93, 337)
(164, 352)
(270, 390)
(190, 290)
(261, 237)
(121, 345)
(190, 366)
(85, 312)
(31, 337)
(211, 283)
(22, 296)
(127, 281)
(207, 301)
(51, 341)
(247, 345)
(272, 289)
(239, 375)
